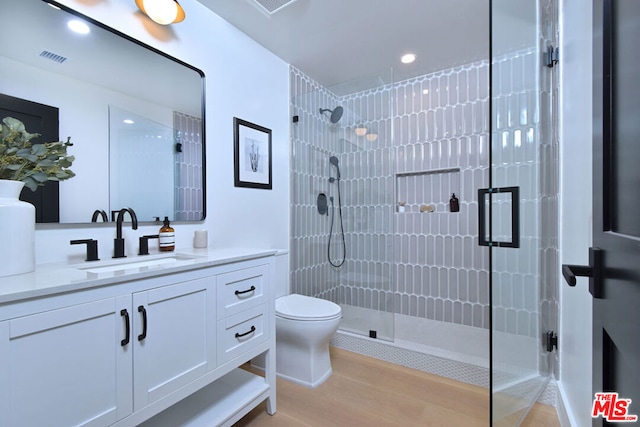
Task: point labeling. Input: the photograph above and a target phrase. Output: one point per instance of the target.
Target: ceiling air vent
(272, 6)
(53, 56)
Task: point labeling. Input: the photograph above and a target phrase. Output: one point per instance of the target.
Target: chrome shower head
(336, 113)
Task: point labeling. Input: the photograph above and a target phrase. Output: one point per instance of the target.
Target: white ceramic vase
(18, 222)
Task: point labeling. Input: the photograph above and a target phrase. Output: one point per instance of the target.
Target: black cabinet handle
(143, 335)
(253, 329)
(127, 334)
(251, 289)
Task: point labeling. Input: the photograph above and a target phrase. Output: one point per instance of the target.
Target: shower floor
(442, 339)
(450, 350)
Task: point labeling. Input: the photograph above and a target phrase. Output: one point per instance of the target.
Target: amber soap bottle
(167, 237)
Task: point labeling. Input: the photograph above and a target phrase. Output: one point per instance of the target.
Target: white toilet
(304, 326)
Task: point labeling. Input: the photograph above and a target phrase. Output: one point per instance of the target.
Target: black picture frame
(252, 155)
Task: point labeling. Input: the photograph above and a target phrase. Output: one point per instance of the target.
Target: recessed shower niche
(427, 191)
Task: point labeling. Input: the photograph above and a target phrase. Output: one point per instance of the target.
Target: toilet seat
(300, 307)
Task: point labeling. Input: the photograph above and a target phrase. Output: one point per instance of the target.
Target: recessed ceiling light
(78, 27)
(128, 121)
(408, 58)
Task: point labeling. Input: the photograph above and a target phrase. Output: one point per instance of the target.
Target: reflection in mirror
(82, 76)
(146, 158)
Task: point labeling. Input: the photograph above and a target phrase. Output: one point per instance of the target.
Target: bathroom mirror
(96, 81)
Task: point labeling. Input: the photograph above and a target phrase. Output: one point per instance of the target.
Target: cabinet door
(174, 335)
(66, 367)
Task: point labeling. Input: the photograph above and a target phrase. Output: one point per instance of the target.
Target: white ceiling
(335, 41)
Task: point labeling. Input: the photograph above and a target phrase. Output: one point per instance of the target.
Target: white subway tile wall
(189, 166)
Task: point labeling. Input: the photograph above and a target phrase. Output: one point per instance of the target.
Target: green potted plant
(24, 164)
(20, 160)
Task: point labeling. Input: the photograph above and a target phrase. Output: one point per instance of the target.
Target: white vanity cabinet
(66, 367)
(160, 351)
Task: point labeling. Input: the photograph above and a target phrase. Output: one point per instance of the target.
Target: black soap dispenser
(454, 204)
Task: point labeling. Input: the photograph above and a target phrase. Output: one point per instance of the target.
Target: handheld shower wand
(334, 161)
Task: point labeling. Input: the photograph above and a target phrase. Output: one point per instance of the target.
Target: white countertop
(50, 279)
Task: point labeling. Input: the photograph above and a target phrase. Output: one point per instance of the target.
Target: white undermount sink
(136, 263)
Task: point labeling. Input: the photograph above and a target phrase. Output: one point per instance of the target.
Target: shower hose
(344, 246)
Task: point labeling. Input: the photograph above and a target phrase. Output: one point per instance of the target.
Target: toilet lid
(300, 307)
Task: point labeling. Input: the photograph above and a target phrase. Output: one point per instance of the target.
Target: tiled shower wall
(189, 188)
(441, 139)
(432, 141)
(314, 140)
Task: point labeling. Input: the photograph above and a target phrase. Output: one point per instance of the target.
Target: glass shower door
(342, 199)
(363, 143)
(519, 211)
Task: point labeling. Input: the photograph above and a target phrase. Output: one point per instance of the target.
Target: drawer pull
(143, 335)
(127, 332)
(252, 330)
(251, 289)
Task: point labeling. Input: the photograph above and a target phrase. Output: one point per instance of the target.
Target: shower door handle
(515, 217)
(593, 271)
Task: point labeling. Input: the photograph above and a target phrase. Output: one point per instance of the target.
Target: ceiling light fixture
(164, 12)
(371, 137)
(408, 58)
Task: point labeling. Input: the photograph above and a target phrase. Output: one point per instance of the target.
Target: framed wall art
(252, 155)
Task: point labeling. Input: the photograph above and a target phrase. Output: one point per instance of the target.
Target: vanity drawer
(241, 332)
(240, 290)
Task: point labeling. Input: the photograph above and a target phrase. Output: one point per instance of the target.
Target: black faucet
(143, 246)
(118, 242)
(92, 248)
(101, 213)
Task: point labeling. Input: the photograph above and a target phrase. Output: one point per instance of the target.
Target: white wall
(242, 79)
(576, 209)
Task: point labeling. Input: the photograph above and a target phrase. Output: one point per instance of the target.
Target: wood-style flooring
(368, 392)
